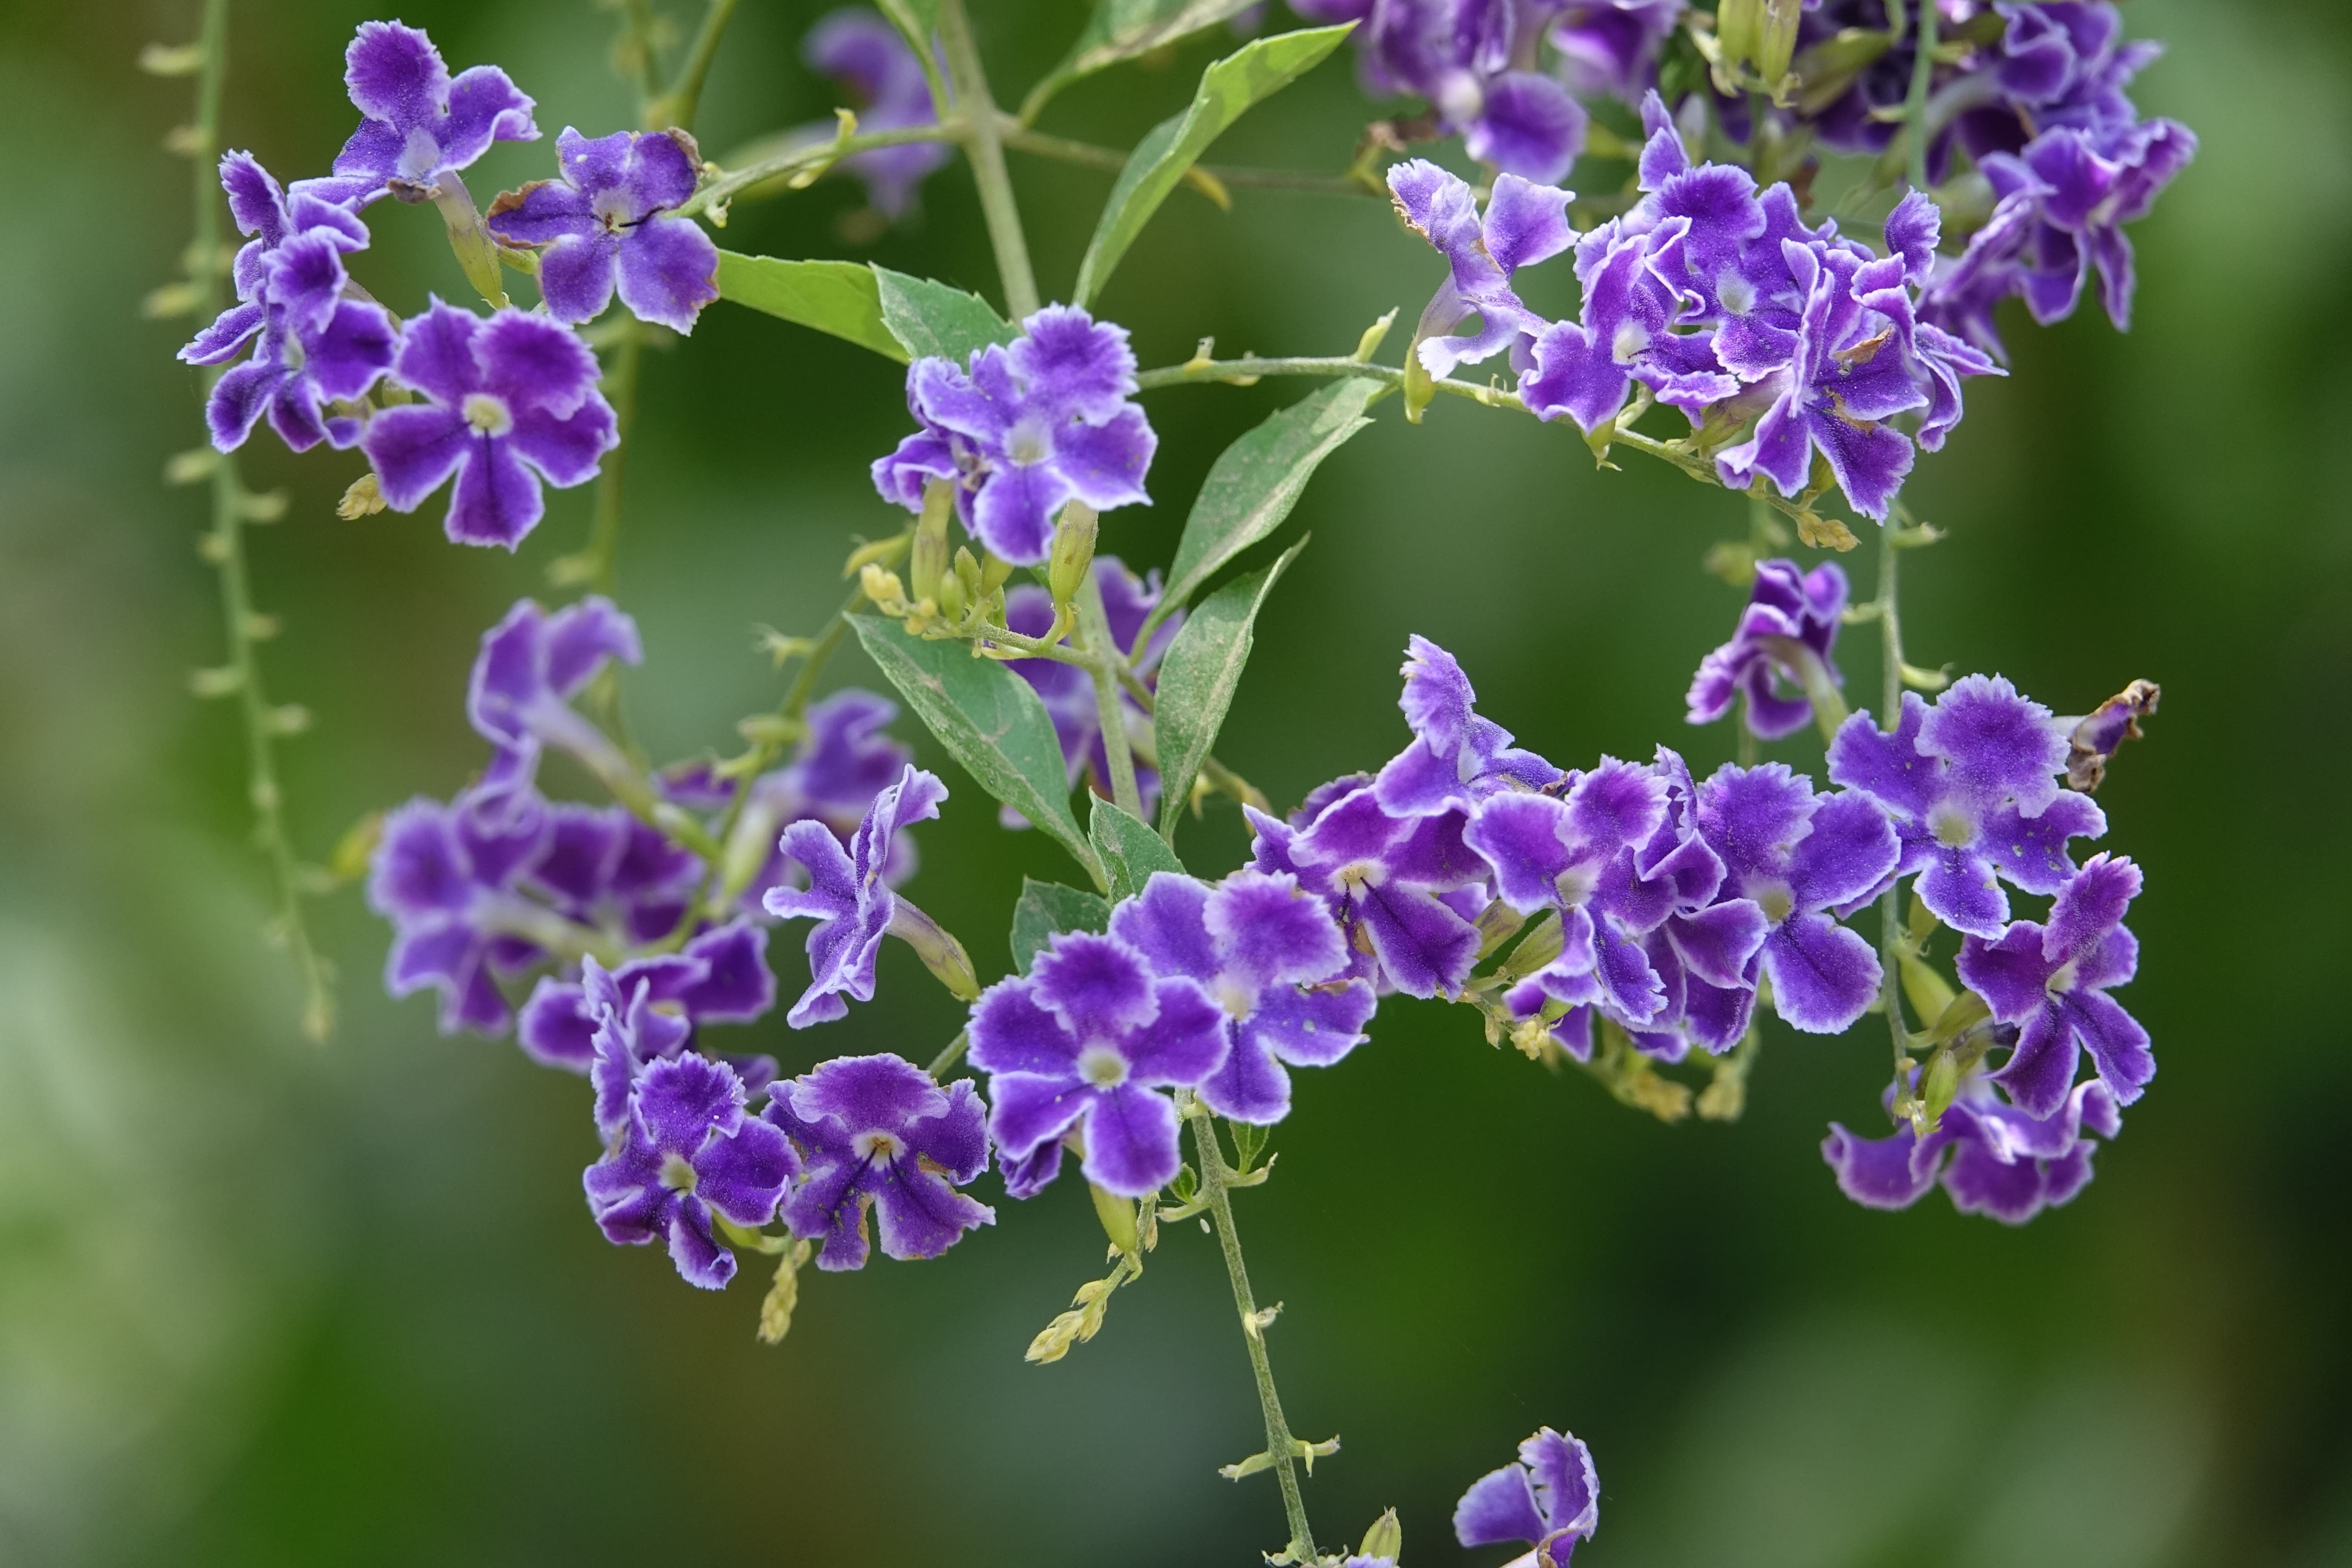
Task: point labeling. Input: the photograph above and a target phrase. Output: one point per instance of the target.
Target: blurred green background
(263, 1301)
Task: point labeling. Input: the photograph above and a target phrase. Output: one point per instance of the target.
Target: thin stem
(637, 40)
(950, 1056)
(1102, 666)
(1915, 109)
(597, 566)
(226, 550)
(1890, 653)
(984, 148)
(684, 99)
(1088, 156)
(1280, 1445)
(713, 197)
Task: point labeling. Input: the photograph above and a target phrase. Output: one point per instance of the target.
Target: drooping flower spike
(1550, 1500)
(264, 211)
(875, 1133)
(509, 401)
(605, 223)
(418, 122)
(1785, 635)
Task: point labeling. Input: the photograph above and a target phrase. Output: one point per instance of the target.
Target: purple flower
(1523, 223)
(1992, 1158)
(511, 400)
(418, 124)
(719, 978)
(1799, 854)
(1465, 58)
(686, 1151)
(1786, 632)
(856, 47)
(1271, 955)
(1456, 758)
(1704, 948)
(2080, 189)
(2053, 980)
(605, 221)
(877, 1133)
(1550, 1500)
(1610, 47)
(265, 212)
(604, 869)
(1066, 690)
(1079, 1044)
(852, 902)
(530, 666)
(1972, 785)
(841, 762)
(447, 877)
(1031, 426)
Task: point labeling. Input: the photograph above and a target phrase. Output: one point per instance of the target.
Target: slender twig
(984, 150)
(1094, 626)
(1281, 1447)
(714, 197)
(1916, 107)
(225, 547)
(679, 106)
(1890, 655)
(1088, 156)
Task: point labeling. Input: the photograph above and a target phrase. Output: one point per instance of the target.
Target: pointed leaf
(1047, 907)
(990, 720)
(1197, 679)
(1122, 29)
(1255, 481)
(837, 297)
(1130, 851)
(1227, 90)
(935, 321)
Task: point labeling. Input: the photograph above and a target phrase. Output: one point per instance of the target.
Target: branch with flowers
(1624, 918)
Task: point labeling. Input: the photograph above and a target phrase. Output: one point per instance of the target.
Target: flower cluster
(503, 404)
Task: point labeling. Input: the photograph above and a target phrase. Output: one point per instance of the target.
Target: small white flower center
(1234, 996)
(1361, 874)
(1775, 899)
(677, 1172)
(486, 414)
(878, 1147)
(1576, 885)
(1631, 340)
(1102, 1066)
(1031, 440)
(418, 153)
(611, 210)
(1953, 827)
(1738, 294)
(2065, 980)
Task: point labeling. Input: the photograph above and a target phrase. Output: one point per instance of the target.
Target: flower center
(1102, 1066)
(1357, 875)
(1031, 440)
(1737, 294)
(677, 1172)
(486, 414)
(1236, 997)
(1576, 885)
(878, 1147)
(1954, 828)
(1631, 340)
(610, 211)
(2063, 980)
(1776, 900)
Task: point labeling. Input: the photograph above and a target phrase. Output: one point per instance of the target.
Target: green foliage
(1122, 29)
(932, 319)
(1197, 679)
(1227, 90)
(1046, 908)
(843, 298)
(1130, 851)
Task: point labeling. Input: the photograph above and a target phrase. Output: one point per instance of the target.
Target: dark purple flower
(1067, 691)
(852, 901)
(1790, 622)
(449, 879)
(418, 123)
(1031, 426)
(719, 978)
(2052, 980)
(530, 666)
(1523, 223)
(1972, 785)
(841, 762)
(266, 213)
(2081, 188)
(1610, 47)
(1992, 1158)
(605, 221)
(686, 1151)
(1550, 1500)
(511, 400)
(1467, 59)
(312, 346)
(1798, 856)
(856, 47)
(1456, 758)
(1271, 956)
(1080, 1043)
(877, 1133)
(604, 869)
(1704, 950)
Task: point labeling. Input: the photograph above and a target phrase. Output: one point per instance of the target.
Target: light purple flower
(448, 877)
(850, 899)
(418, 123)
(1028, 428)
(1523, 223)
(1972, 785)
(1792, 619)
(1068, 692)
(266, 213)
(719, 978)
(1456, 758)
(605, 221)
(1080, 1043)
(1798, 856)
(510, 401)
(1991, 1158)
(1610, 47)
(876, 1133)
(2052, 980)
(1272, 958)
(840, 764)
(856, 47)
(686, 1151)
(530, 666)
(1550, 1500)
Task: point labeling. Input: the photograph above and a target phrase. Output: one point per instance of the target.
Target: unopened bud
(1942, 1082)
(1928, 993)
(270, 506)
(172, 59)
(185, 140)
(1074, 551)
(1385, 1539)
(928, 561)
(289, 719)
(784, 1296)
(187, 467)
(942, 953)
(882, 587)
(222, 680)
(363, 499)
(356, 849)
(1118, 1216)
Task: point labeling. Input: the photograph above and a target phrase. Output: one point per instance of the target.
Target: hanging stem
(1102, 664)
(1280, 1445)
(984, 145)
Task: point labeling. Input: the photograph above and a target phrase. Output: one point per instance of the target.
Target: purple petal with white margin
(1074, 365)
(496, 500)
(1878, 1172)
(2030, 851)
(1184, 1042)
(1105, 463)
(1823, 976)
(413, 448)
(566, 450)
(1013, 513)
(1500, 1506)
(1850, 849)
(669, 271)
(577, 274)
(534, 363)
(1130, 1141)
(2003, 746)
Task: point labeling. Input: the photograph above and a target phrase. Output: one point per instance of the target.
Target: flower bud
(1385, 1539)
(942, 953)
(1074, 551)
(1118, 1216)
(928, 562)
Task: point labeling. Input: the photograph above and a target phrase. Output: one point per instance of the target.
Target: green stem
(1280, 1445)
(638, 39)
(597, 566)
(680, 104)
(713, 197)
(1102, 666)
(227, 549)
(984, 148)
(950, 1056)
(1915, 109)
(1890, 653)
(1087, 155)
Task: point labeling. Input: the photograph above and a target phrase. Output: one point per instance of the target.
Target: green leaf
(1130, 851)
(1047, 907)
(837, 297)
(1227, 90)
(1255, 481)
(990, 720)
(1197, 679)
(932, 320)
(1122, 29)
